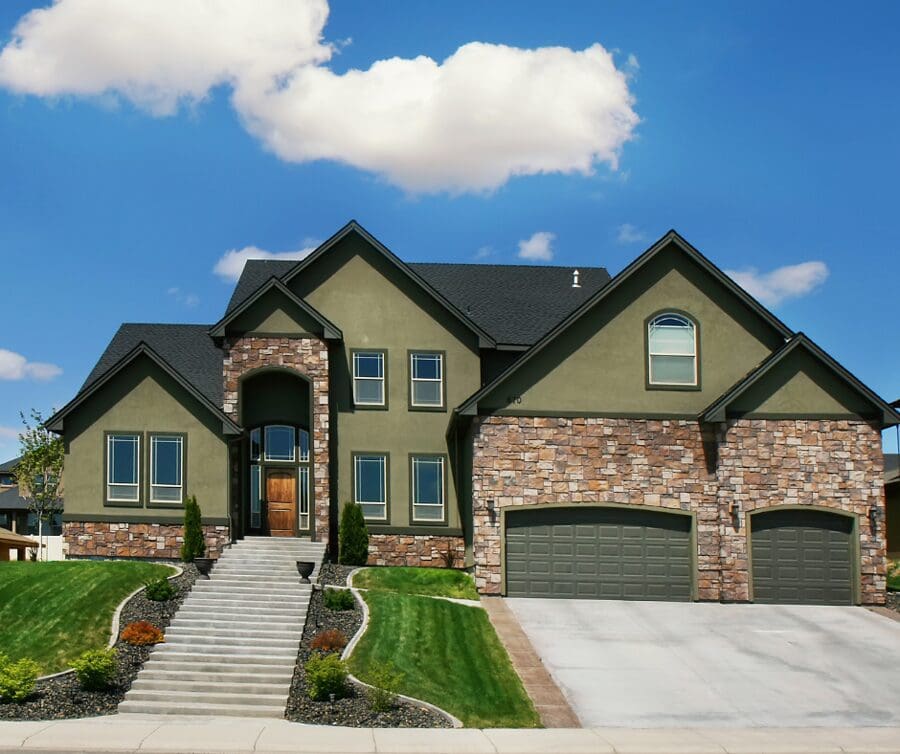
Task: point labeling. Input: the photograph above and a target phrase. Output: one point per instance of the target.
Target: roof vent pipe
(575, 283)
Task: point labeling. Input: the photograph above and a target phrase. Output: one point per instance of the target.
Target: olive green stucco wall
(377, 307)
(800, 385)
(599, 364)
(142, 398)
(273, 313)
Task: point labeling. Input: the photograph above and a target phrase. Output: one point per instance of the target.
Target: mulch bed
(62, 697)
(354, 710)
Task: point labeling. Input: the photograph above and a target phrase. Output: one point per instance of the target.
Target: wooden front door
(281, 502)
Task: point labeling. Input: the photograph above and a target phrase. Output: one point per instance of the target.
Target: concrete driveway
(661, 664)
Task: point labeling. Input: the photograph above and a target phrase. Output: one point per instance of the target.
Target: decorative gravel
(62, 697)
(352, 711)
(332, 574)
(893, 601)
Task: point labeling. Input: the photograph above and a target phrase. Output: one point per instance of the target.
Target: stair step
(231, 710)
(195, 664)
(236, 623)
(198, 614)
(260, 655)
(256, 688)
(227, 638)
(150, 673)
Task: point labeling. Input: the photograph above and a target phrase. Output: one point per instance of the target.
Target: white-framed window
(672, 350)
(166, 468)
(123, 468)
(368, 378)
(303, 497)
(280, 443)
(255, 497)
(426, 374)
(370, 485)
(428, 488)
(304, 445)
(254, 444)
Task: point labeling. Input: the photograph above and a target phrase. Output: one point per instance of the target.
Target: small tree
(353, 536)
(193, 546)
(39, 471)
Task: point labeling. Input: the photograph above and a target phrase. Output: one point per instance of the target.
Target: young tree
(39, 471)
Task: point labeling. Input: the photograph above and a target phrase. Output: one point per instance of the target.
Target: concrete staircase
(232, 647)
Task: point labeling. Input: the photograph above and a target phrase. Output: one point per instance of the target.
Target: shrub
(330, 640)
(339, 599)
(17, 678)
(159, 590)
(142, 633)
(353, 536)
(326, 675)
(96, 669)
(193, 545)
(385, 680)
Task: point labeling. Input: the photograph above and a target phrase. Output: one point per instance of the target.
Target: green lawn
(52, 612)
(434, 582)
(449, 656)
(893, 582)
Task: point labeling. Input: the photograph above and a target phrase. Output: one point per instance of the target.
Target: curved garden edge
(351, 645)
(114, 624)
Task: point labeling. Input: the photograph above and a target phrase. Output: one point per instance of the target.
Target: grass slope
(449, 655)
(893, 581)
(52, 612)
(436, 582)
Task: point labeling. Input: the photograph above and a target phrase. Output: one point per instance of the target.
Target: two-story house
(657, 435)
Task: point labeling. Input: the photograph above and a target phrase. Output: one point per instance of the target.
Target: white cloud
(537, 248)
(633, 62)
(783, 283)
(484, 252)
(9, 433)
(14, 366)
(628, 233)
(231, 264)
(468, 123)
(189, 300)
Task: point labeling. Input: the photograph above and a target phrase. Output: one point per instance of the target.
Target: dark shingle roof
(892, 466)
(188, 349)
(515, 304)
(10, 500)
(10, 465)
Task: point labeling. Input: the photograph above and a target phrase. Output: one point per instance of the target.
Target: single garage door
(598, 553)
(802, 557)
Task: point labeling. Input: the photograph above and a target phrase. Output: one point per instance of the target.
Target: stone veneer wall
(417, 550)
(307, 356)
(125, 540)
(677, 464)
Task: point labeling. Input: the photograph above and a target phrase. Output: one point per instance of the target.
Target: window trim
(151, 503)
(413, 521)
(387, 482)
(264, 448)
(383, 406)
(697, 384)
(409, 365)
(115, 502)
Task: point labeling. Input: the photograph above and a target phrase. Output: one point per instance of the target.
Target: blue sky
(766, 133)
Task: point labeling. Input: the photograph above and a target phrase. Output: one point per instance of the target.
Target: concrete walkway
(152, 734)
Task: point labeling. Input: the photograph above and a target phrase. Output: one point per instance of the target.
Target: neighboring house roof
(194, 370)
(717, 411)
(515, 304)
(470, 405)
(10, 465)
(329, 329)
(11, 501)
(891, 468)
(15, 540)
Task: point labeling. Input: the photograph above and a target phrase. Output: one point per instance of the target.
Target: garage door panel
(802, 557)
(599, 553)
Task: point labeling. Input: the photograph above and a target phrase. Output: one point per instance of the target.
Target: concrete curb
(117, 614)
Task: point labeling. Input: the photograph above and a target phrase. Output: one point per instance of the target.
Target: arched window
(672, 350)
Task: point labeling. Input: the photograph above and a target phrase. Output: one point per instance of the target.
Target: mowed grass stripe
(436, 582)
(52, 612)
(449, 655)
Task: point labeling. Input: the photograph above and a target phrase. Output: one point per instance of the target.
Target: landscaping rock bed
(354, 710)
(62, 697)
(893, 601)
(332, 574)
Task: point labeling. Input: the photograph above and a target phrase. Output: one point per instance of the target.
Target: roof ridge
(165, 324)
(526, 266)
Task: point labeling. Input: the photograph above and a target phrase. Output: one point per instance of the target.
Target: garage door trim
(856, 572)
(692, 515)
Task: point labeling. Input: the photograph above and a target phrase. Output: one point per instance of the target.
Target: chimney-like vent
(575, 283)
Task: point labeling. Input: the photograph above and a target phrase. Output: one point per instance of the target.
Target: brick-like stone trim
(130, 540)
(679, 464)
(435, 551)
(309, 358)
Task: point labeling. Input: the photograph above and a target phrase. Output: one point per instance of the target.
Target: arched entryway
(274, 408)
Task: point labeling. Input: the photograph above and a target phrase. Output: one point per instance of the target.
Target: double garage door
(798, 556)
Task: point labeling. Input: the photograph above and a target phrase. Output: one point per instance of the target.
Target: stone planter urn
(204, 565)
(305, 568)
